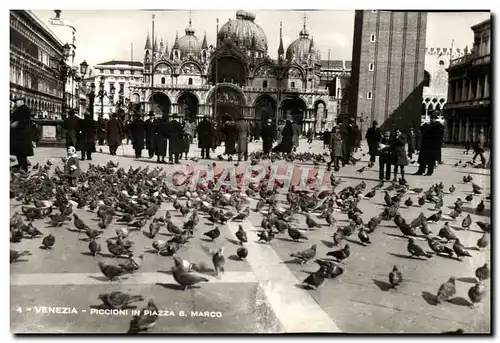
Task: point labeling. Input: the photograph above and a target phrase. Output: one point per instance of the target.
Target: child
(385, 157)
(72, 166)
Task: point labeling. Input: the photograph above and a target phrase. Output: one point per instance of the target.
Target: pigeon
(94, 247)
(459, 250)
(439, 248)
(395, 277)
(111, 271)
(241, 235)
(451, 189)
(469, 198)
(311, 223)
(48, 241)
(242, 252)
(476, 293)
(388, 199)
(483, 272)
(314, 280)
(416, 250)
(446, 291)
(146, 319)
(332, 269)
(480, 207)
(341, 254)
(466, 222)
(446, 233)
(421, 201)
(213, 234)
(187, 279)
(218, 259)
(456, 332)
(486, 227)
(435, 217)
(363, 236)
(296, 235)
(306, 255)
(119, 300)
(484, 241)
(16, 254)
(266, 236)
(409, 202)
(371, 194)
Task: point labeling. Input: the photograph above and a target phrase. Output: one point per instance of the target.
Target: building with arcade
(236, 77)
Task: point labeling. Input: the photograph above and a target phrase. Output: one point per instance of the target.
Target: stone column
(464, 95)
(467, 124)
(460, 126)
(479, 89)
(457, 93)
(453, 129)
(486, 86)
(470, 90)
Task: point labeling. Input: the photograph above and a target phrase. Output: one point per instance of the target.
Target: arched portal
(161, 103)
(265, 108)
(188, 104)
(228, 69)
(293, 108)
(229, 102)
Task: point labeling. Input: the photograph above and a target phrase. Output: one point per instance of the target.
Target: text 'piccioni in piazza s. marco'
(68, 311)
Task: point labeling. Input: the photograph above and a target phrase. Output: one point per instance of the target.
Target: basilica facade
(237, 78)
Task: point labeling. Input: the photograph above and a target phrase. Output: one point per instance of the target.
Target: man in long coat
(21, 144)
(150, 125)
(115, 134)
(174, 134)
(243, 134)
(71, 126)
(205, 133)
(373, 137)
(412, 143)
(137, 130)
(348, 140)
(230, 137)
(101, 130)
(161, 138)
(86, 139)
(267, 134)
(432, 135)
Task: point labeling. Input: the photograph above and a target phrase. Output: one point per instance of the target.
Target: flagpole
(152, 62)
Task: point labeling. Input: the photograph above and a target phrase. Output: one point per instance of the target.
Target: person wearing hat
(71, 127)
(243, 135)
(175, 139)
(187, 136)
(430, 146)
(336, 150)
(267, 134)
(115, 134)
(86, 136)
(373, 137)
(21, 144)
(138, 132)
(385, 157)
(399, 158)
(479, 148)
(150, 125)
(205, 132)
(101, 130)
(412, 143)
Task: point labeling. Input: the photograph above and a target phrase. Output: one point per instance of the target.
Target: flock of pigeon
(131, 199)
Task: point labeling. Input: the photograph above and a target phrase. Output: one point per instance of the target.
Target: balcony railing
(482, 60)
(485, 59)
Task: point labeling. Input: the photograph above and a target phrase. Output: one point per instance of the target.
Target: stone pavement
(261, 294)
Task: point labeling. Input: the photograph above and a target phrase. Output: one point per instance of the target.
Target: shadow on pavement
(328, 244)
(430, 298)
(234, 258)
(354, 242)
(460, 301)
(467, 279)
(408, 257)
(384, 286)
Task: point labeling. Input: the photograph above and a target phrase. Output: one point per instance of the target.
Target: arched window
(162, 80)
(292, 84)
(264, 84)
(190, 81)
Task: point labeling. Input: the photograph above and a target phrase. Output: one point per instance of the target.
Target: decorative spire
(311, 46)
(303, 32)
(155, 44)
(189, 30)
(176, 42)
(204, 45)
(281, 50)
(148, 43)
(166, 48)
(161, 46)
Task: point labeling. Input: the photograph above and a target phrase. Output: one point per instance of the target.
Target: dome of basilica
(302, 47)
(188, 43)
(244, 31)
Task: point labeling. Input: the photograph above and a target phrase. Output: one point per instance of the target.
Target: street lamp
(102, 93)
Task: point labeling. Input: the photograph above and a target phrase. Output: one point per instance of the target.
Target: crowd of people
(172, 136)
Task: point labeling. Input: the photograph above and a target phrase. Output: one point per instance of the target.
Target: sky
(104, 35)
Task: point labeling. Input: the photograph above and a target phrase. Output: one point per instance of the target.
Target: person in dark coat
(71, 126)
(230, 137)
(21, 144)
(432, 134)
(205, 132)
(479, 146)
(187, 137)
(128, 130)
(412, 143)
(267, 134)
(101, 130)
(86, 139)
(373, 137)
(150, 126)
(385, 157)
(138, 132)
(398, 151)
(115, 134)
(335, 148)
(348, 140)
(286, 144)
(175, 140)
(310, 136)
(242, 140)
(356, 137)
(161, 138)
(327, 135)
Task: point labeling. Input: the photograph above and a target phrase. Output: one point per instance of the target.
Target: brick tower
(387, 75)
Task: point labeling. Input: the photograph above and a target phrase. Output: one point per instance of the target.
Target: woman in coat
(175, 140)
(115, 134)
(230, 136)
(205, 132)
(21, 145)
(296, 135)
(286, 144)
(187, 137)
(335, 148)
(86, 137)
(243, 134)
(161, 132)
(399, 156)
(138, 133)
